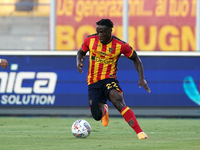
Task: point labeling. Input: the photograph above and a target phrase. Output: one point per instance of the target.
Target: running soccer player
(3, 63)
(104, 51)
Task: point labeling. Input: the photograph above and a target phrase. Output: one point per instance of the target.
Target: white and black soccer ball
(81, 128)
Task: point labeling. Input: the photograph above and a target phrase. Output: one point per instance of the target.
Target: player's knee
(96, 112)
(117, 99)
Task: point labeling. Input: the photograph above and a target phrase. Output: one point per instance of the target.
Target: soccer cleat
(105, 118)
(142, 135)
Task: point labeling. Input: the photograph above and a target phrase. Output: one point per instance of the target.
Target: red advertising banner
(154, 25)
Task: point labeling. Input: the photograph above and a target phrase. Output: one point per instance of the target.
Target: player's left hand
(143, 82)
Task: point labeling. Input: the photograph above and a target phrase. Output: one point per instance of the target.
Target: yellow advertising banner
(154, 25)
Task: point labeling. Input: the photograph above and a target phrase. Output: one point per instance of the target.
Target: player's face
(104, 33)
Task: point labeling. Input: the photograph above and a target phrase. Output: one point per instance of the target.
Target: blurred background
(24, 24)
(40, 38)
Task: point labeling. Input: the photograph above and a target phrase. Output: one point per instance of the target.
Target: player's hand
(143, 82)
(79, 67)
(4, 63)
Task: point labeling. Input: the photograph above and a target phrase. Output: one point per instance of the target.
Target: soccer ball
(81, 128)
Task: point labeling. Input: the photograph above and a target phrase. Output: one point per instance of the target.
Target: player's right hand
(4, 63)
(79, 67)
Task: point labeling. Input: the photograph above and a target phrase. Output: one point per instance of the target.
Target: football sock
(130, 118)
(104, 110)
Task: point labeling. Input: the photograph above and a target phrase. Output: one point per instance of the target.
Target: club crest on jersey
(110, 50)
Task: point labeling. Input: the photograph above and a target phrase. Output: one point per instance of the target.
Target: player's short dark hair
(106, 22)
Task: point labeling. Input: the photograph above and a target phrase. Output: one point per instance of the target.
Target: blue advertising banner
(53, 81)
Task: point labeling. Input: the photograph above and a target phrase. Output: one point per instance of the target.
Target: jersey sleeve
(85, 45)
(127, 50)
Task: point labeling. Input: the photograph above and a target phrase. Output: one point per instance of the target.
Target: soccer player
(3, 63)
(104, 51)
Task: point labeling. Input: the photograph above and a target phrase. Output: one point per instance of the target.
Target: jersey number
(112, 84)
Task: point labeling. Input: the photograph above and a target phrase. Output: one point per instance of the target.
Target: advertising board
(154, 25)
(53, 81)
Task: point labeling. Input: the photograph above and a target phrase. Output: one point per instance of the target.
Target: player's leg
(100, 112)
(117, 100)
(115, 95)
(97, 102)
(105, 118)
(96, 111)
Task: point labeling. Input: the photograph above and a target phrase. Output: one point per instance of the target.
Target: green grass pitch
(53, 133)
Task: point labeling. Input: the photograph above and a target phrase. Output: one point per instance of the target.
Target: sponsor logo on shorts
(90, 101)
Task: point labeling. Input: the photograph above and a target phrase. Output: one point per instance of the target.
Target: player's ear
(110, 30)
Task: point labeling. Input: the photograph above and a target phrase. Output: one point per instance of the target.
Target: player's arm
(3, 63)
(140, 70)
(79, 59)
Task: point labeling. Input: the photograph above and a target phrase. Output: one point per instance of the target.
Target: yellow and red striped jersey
(103, 57)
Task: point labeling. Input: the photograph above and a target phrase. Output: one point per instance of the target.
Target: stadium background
(39, 81)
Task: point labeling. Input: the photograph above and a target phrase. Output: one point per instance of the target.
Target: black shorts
(98, 92)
